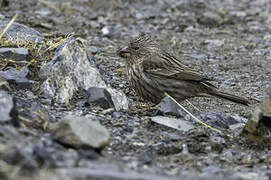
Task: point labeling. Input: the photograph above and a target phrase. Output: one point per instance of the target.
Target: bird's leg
(192, 105)
(256, 100)
(150, 107)
(145, 105)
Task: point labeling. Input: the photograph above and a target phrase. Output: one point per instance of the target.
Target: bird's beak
(123, 52)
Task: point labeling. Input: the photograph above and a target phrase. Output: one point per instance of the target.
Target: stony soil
(228, 40)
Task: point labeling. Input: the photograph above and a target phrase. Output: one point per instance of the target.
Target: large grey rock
(80, 132)
(71, 70)
(19, 32)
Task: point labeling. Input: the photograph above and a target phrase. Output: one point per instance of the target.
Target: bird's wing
(170, 67)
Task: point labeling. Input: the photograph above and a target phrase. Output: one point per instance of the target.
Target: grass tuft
(40, 53)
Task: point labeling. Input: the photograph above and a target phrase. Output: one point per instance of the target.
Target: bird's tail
(231, 97)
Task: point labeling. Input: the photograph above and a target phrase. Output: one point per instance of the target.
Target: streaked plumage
(152, 71)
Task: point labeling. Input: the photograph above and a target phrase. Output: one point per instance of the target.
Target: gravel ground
(228, 40)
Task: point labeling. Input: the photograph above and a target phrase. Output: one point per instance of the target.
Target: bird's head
(138, 48)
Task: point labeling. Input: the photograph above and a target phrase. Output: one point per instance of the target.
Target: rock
(80, 132)
(4, 84)
(260, 123)
(222, 121)
(88, 154)
(211, 169)
(217, 144)
(106, 31)
(116, 115)
(32, 114)
(210, 19)
(13, 75)
(15, 156)
(267, 40)
(198, 141)
(8, 109)
(236, 126)
(16, 54)
(7, 173)
(166, 148)
(92, 49)
(168, 107)
(6, 106)
(191, 29)
(71, 70)
(249, 175)
(239, 14)
(110, 32)
(7, 135)
(268, 174)
(178, 124)
(19, 32)
(34, 152)
(6, 169)
(94, 24)
(198, 56)
(214, 43)
(100, 96)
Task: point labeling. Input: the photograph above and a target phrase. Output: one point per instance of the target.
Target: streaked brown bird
(152, 72)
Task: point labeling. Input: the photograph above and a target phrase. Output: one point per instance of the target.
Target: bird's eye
(136, 48)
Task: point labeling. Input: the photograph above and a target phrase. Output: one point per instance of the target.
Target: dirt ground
(228, 40)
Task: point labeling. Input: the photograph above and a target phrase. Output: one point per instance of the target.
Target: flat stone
(17, 54)
(18, 76)
(178, 124)
(80, 132)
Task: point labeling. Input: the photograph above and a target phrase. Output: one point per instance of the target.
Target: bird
(153, 72)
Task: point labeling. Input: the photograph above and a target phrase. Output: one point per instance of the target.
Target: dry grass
(40, 53)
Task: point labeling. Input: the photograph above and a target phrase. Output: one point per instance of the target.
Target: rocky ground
(68, 112)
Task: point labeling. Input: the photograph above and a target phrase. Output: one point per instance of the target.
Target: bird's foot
(145, 106)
